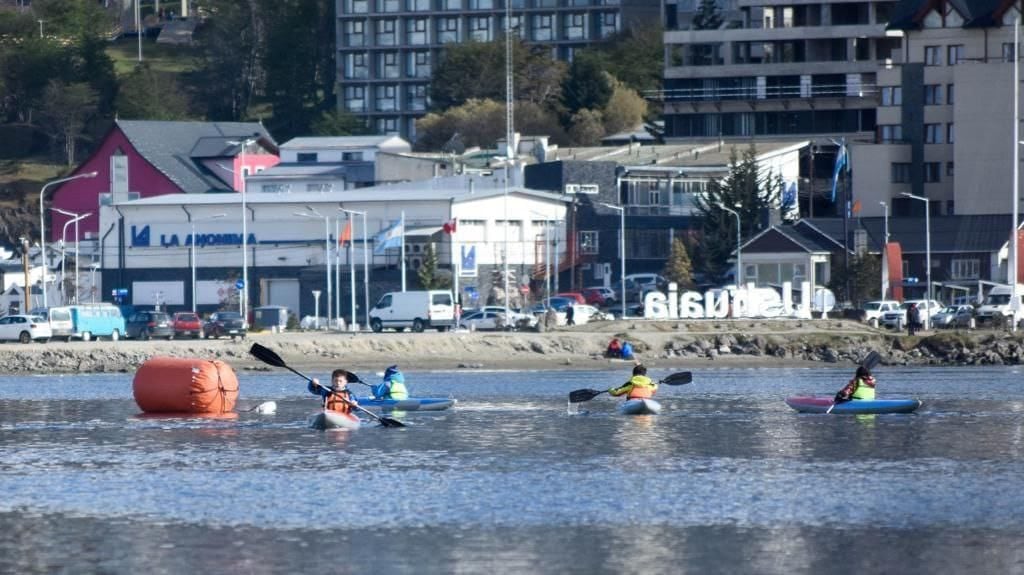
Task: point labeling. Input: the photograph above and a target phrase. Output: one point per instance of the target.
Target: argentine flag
(389, 238)
(842, 162)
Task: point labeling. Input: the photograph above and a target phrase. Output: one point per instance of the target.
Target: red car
(593, 296)
(573, 295)
(187, 323)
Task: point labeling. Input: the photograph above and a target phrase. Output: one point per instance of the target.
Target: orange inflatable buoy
(185, 385)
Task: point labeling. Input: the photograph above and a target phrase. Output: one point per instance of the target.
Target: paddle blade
(388, 422)
(871, 360)
(266, 355)
(583, 395)
(678, 378)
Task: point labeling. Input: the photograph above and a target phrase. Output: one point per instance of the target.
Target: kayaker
(638, 387)
(862, 386)
(338, 397)
(393, 385)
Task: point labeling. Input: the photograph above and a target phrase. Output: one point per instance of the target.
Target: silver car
(953, 316)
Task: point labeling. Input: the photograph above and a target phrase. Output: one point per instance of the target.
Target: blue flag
(389, 238)
(468, 266)
(842, 162)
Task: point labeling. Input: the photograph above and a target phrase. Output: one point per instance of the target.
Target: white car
(517, 318)
(583, 313)
(926, 309)
(492, 317)
(875, 309)
(25, 328)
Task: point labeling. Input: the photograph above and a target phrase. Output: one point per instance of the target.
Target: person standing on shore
(913, 319)
(336, 396)
(570, 315)
(638, 387)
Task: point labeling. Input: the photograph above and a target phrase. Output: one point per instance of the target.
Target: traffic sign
(239, 284)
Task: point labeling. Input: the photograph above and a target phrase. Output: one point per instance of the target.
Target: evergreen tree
(744, 190)
(588, 86)
(678, 267)
(865, 271)
(148, 95)
(428, 272)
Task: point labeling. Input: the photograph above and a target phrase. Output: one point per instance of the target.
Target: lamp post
(193, 222)
(622, 249)
(927, 253)
(42, 222)
(63, 245)
(366, 271)
(885, 245)
(93, 280)
(739, 254)
(243, 297)
(327, 256)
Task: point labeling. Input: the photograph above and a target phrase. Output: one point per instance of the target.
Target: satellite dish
(824, 300)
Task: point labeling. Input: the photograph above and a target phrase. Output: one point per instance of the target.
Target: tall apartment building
(945, 128)
(387, 49)
(775, 68)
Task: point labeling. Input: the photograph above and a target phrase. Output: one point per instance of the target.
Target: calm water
(727, 479)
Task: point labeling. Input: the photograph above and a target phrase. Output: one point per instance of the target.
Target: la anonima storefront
(147, 256)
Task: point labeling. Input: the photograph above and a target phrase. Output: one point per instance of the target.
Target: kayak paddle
(678, 378)
(869, 362)
(267, 356)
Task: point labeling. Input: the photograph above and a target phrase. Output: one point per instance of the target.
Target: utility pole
(24, 264)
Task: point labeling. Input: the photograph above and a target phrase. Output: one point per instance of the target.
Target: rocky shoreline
(666, 344)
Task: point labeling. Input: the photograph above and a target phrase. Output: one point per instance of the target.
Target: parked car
(600, 295)
(187, 324)
(649, 281)
(875, 309)
(899, 316)
(149, 324)
(576, 296)
(481, 320)
(224, 323)
(633, 290)
(25, 328)
(516, 317)
(557, 303)
(953, 316)
(584, 313)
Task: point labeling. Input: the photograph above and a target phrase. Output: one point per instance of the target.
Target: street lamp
(243, 297)
(366, 271)
(92, 289)
(927, 253)
(193, 222)
(327, 255)
(885, 256)
(622, 249)
(739, 254)
(63, 245)
(42, 223)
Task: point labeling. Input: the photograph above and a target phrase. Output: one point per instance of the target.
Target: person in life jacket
(336, 396)
(862, 386)
(393, 386)
(638, 387)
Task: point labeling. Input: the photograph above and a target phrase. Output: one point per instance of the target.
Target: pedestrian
(913, 319)
(570, 314)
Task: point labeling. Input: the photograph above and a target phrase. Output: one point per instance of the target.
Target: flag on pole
(468, 265)
(842, 162)
(389, 238)
(449, 226)
(346, 234)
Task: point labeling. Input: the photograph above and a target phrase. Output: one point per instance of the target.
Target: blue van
(96, 320)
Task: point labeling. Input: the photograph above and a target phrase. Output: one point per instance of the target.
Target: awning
(422, 231)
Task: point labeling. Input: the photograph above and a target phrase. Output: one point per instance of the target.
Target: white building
(149, 250)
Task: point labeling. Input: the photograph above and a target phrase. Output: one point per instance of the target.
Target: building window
(481, 4)
(416, 97)
(416, 31)
(608, 24)
(949, 169)
(933, 133)
(387, 65)
(480, 29)
(932, 56)
(319, 187)
(647, 244)
(900, 173)
(355, 33)
(448, 30)
(950, 92)
(1008, 52)
(351, 156)
(451, 4)
(419, 5)
(588, 242)
(355, 98)
(954, 54)
(965, 269)
(892, 96)
(418, 64)
(357, 6)
(517, 24)
(542, 28)
(890, 134)
(386, 33)
(306, 157)
(933, 95)
(386, 100)
(387, 125)
(355, 66)
(391, 5)
(575, 26)
(950, 133)
(932, 173)
(275, 188)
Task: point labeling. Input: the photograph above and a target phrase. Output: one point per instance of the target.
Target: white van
(60, 323)
(414, 309)
(997, 302)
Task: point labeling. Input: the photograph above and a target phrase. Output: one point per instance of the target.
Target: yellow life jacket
(865, 389)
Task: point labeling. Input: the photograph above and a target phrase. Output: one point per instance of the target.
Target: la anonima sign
(749, 301)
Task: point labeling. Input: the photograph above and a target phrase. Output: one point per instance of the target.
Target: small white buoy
(267, 408)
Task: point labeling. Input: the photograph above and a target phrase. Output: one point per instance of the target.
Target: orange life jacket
(336, 402)
(642, 387)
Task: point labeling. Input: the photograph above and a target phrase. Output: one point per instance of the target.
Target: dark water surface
(727, 479)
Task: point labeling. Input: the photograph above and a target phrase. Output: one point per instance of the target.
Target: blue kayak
(640, 407)
(856, 406)
(410, 404)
